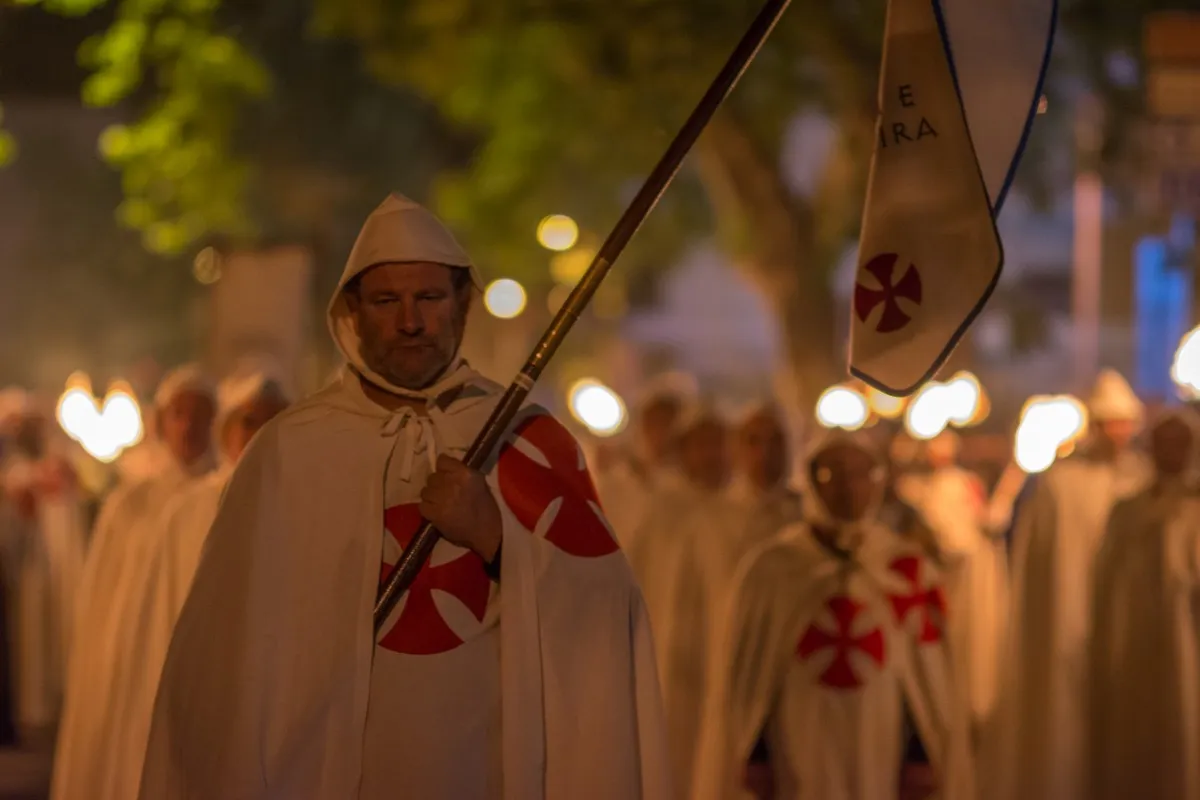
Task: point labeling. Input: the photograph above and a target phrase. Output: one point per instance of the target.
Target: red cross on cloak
(929, 600)
(420, 629)
(529, 487)
(893, 318)
(840, 673)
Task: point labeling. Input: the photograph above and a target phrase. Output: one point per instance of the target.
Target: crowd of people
(698, 619)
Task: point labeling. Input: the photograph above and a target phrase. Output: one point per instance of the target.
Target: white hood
(1113, 399)
(398, 231)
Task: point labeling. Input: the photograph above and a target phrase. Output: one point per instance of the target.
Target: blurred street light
(557, 232)
(103, 431)
(930, 411)
(842, 407)
(596, 406)
(504, 298)
(884, 405)
(1185, 370)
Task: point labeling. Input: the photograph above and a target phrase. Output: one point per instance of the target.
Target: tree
(567, 104)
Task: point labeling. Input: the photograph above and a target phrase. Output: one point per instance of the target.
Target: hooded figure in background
(113, 604)
(521, 651)
(245, 402)
(761, 459)
(1059, 530)
(627, 486)
(684, 553)
(1144, 720)
(832, 650)
(44, 514)
(954, 505)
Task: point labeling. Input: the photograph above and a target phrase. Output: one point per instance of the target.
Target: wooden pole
(405, 572)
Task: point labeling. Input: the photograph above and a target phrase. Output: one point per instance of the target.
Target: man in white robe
(1058, 532)
(628, 484)
(683, 554)
(245, 402)
(518, 665)
(832, 648)
(761, 466)
(112, 601)
(954, 505)
(45, 514)
(1144, 706)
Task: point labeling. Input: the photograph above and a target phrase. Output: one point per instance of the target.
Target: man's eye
(431, 296)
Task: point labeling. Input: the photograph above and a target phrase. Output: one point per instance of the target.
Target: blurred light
(1047, 423)
(504, 298)
(122, 417)
(206, 268)
(569, 267)
(884, 405)
(842, 407)
(964, 399)
(557, 232)
(930, 411)
(104, 432)
(598, 407)
(1185, 370)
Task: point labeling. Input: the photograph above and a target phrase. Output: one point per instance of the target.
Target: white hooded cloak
(99, 754)
(1144, 709)
(1058, 533)
(821, 652)
(275, 685)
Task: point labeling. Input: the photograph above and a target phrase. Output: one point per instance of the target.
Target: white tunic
(684, 554)
(823, 654)
(270, 689)
(1058, 534)
(1144, 706)
(99, 751)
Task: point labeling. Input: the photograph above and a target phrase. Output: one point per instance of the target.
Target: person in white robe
(683, 554)
(46, 513)
(112, 601)
(246, 400)
(628, 484)
(520, 662)
(1058, 533)
(761, 467)
(954, 505)
(832, 649)
(1144, 710)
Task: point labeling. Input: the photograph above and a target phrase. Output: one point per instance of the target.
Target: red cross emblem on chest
(544, 467)
(420, 629)
(840, 674)
(928, 601)
(892, 289)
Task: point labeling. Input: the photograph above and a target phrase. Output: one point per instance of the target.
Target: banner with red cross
(958, 90)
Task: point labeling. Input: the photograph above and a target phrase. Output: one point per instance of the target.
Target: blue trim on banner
(948, 47)
(977, 309)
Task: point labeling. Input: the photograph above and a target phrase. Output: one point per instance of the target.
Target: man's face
(1171, 444)
(410, 318)
(658, 418)
(1116, 434)
(704, 454)
(185, 425)
(761, 451)
(848, 480)
(246, 420)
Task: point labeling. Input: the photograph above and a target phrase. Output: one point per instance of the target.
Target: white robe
(626, 491)
(953, 503)
(766, 513)
(1043, 700)
(823, 655)
(1144, 707)
(684, 554)
(49, 552)
(267, 685)
(98, 753)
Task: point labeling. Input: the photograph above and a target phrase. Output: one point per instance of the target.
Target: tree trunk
(773, 236)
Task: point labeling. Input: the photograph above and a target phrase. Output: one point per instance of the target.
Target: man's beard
(379, 362)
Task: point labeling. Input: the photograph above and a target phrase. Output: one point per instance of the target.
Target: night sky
(37, 51)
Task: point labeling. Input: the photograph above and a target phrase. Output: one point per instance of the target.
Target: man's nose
(410, 321)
